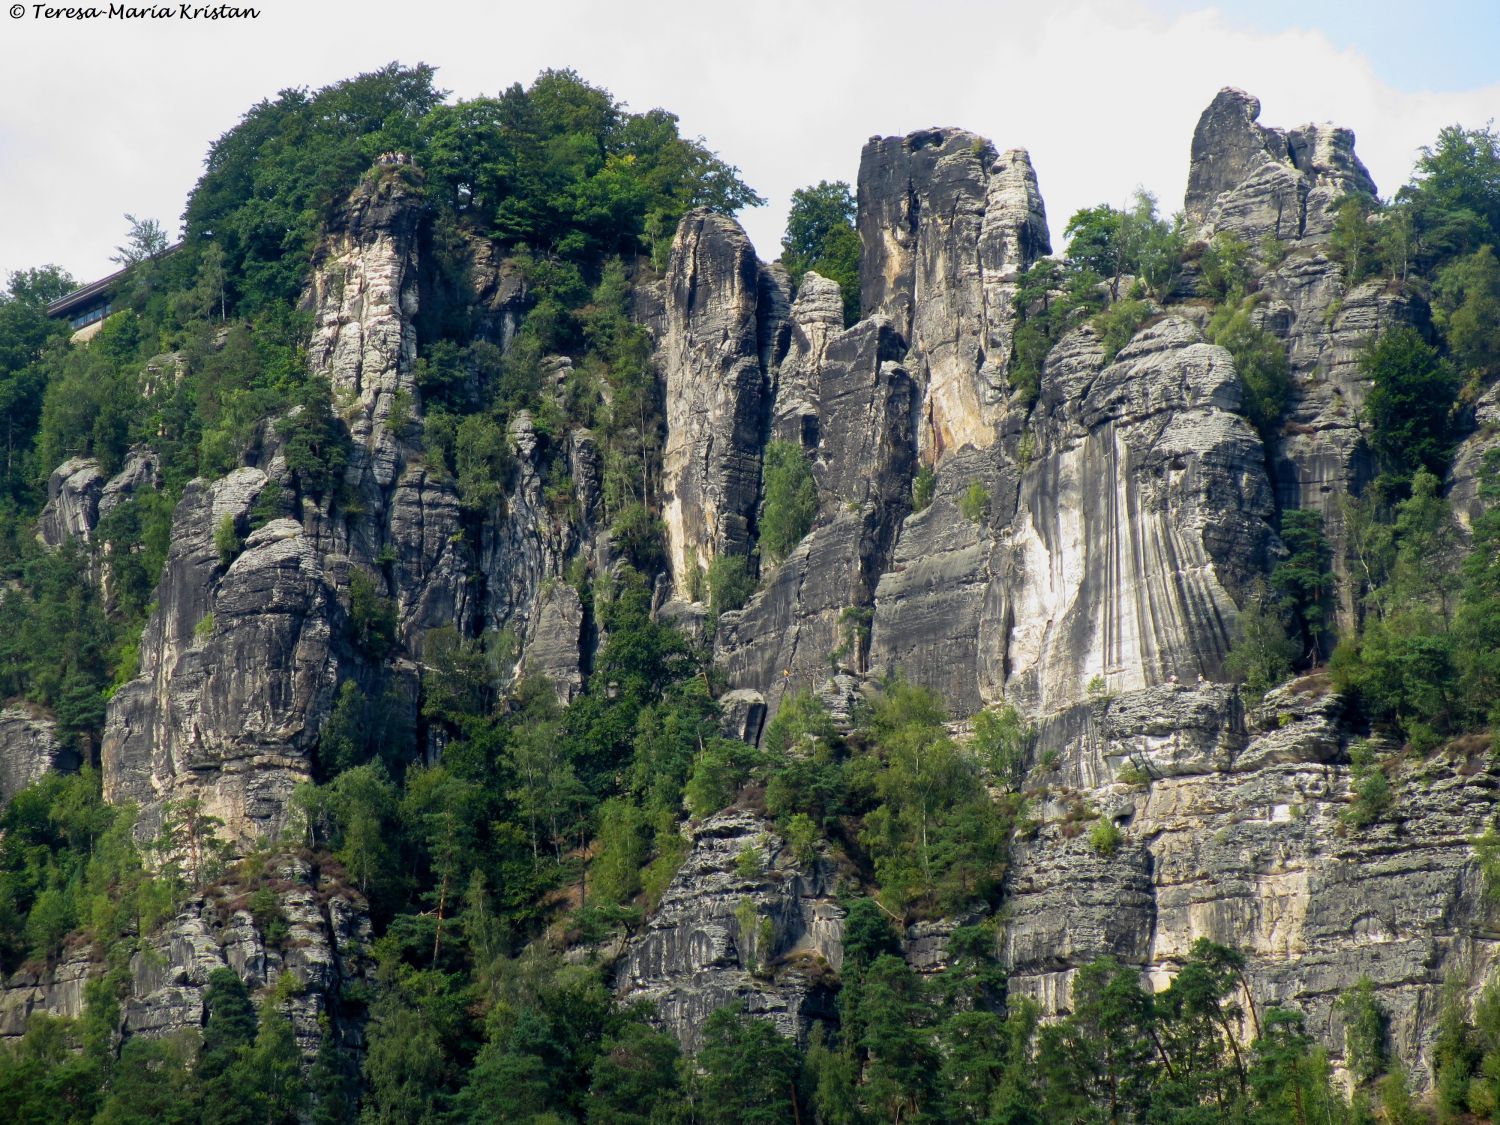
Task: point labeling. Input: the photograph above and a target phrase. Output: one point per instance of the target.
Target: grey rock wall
(766, 934)
(947, 226)
(30, 748)
(709, 353)
(1239, 837)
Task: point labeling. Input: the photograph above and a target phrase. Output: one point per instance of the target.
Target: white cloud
(100, 118)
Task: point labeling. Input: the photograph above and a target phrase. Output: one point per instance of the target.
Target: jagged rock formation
(239, 665)
(365, 297)
(1263, 185)
(1082, 557)
(1113, 552)
(1125, 514)
(79, 495)
(723, 310)
(72, 509)
(1258, 182)
(764, 931)
(324, 945)
(29, 749)
(1240, 838)
(947, 226)
(858, 408)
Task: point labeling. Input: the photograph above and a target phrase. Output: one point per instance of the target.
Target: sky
(101, 117)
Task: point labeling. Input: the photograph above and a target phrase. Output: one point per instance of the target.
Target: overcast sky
(102, 117)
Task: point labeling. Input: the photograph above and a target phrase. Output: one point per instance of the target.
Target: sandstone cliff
(1084, 557)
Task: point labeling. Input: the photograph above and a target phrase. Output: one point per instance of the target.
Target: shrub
(372, 617)
(641, 538)
(922, 487)
(1371, 789)
(802, 836)
(1002, 740)
(1105, 837)
(791, 499)
(1364, 1031)
(730, 583)
(1118, 323)
(975, 503)
(1259, 359)
(1262, 657)
(718, 772)
(227, 540)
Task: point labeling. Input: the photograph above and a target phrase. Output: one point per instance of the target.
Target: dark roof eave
(85, 295)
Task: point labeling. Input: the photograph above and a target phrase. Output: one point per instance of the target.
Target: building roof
(86, 295)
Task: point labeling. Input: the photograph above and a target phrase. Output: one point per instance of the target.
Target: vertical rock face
(709, 353)
(365, 295)
(1114, 549)
(432, 563)
(816, 317)
(72, 511)
(861, 420)
(29, 749)
(765, 932)
(947, 226)
(1239, 839)
(1259, 183)
(325, 946)
(239, 667)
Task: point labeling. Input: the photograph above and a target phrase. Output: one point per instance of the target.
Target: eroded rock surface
(1114, 550)
(710, 357)
(30, 748)
(1235, 830)
(947, 226)
(324, 945)
(765, 932)
(1258, 182)
(240, 664)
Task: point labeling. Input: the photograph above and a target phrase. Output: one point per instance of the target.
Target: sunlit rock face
(947, 226)
(1113, 550)
(722, 310)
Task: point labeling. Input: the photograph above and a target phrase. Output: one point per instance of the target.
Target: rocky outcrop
(72, 511)
(857, 405)
(1235, 830)
(741, 922)
(554, 648)
(710, 352)
(364, 295)
(239, 666)
(947, 226)
(315, 930)
(1117, 533)
(1257, 183)
(29, 750)
(429, 574)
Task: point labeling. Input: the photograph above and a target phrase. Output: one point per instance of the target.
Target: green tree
(1303, 578)
(820, 236)
(1260, 361)
(1095, 1065)
(1263, 655)
(750, 1074)
(635, 1079)
(1364, 1031)
(1466, 308)
(1409, 406)
(791, 499)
